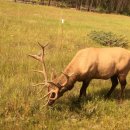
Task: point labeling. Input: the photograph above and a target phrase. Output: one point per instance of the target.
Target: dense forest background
(107, 6)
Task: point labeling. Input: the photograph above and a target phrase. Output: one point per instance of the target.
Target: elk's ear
(53, 75)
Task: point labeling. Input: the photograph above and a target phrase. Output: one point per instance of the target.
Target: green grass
(21, 27)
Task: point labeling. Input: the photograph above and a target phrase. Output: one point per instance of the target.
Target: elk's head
(58, 86)
(55, 88)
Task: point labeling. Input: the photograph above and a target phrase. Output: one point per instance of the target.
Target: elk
(89, 63)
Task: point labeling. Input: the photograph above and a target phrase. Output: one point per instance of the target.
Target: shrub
(108, 38)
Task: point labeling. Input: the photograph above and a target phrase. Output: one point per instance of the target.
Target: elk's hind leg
(83, 89)
(114, 81)
(122, 80)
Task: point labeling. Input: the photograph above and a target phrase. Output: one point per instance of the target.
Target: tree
(49, 2)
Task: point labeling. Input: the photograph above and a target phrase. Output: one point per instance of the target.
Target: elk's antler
(40, 58)
(67, 78)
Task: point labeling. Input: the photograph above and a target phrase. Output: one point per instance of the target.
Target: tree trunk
(42, 2)
(78, 4)
(90, 4)
(119, 4)
(49, 2)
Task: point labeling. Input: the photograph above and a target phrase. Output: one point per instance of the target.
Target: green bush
(108, 38)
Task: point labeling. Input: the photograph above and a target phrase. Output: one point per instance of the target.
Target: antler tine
(39, 71)
(56, 95)
(43, 47)
(45, 95)
(38, 84)
(37, 57)
(46, 102)
(56, 85)
(43, 64)
(52, 83)
(67, 77)
(40, 90)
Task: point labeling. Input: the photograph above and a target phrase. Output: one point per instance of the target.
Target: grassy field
(21, 27)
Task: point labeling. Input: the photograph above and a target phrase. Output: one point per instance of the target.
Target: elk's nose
(51, 102)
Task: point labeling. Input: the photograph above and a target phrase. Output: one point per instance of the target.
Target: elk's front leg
(83, 89)
(114, 81)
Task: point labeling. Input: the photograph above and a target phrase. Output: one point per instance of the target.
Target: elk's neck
(129, 56)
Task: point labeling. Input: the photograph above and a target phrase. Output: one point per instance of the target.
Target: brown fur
(96, 63)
